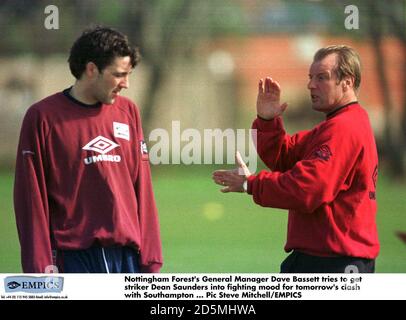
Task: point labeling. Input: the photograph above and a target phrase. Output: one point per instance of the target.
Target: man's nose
(310, 84)
(125, 82)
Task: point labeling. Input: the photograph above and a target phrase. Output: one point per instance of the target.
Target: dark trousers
(298, 262)
(98, 259)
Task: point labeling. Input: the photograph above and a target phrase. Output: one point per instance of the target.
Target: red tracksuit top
(83, 177)
(326, 177)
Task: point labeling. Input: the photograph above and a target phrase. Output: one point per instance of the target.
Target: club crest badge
(144, 150)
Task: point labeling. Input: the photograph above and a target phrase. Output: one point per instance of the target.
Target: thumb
(239, 160)
(284, 107)
(242, 167)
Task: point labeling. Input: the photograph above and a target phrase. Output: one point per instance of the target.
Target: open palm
(268, 100)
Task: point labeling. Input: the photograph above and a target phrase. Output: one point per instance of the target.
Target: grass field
(204, 230)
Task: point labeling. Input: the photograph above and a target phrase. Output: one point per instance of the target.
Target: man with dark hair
(83, 194)
(326, 176)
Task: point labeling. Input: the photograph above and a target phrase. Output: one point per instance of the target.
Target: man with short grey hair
(326, 177)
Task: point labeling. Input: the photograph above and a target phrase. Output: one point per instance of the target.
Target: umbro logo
(101, 145)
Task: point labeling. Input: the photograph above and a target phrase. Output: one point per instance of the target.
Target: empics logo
(101, 145)
(33, 284)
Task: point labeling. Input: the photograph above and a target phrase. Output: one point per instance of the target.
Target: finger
(275, 85)
(219, 182)
(218, 178)
(261, 87)
(217, 172)
(221, 173)
(221, 178)
(284, 106)
(224, 172)
(268, 85)
(225, 190)
(223, 181)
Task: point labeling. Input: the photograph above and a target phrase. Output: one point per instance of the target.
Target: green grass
(204, 230)
(239, 237)
(9, 245)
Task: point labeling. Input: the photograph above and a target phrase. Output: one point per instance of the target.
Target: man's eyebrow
(319, 74)
(122, 73)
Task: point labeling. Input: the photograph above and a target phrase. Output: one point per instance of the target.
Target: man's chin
(109, 101)
(317, 107)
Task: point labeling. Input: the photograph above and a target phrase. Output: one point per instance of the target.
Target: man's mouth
(314, 97)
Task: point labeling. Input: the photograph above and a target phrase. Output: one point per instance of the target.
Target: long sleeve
(150, 251)
(327, 181)
(325, 170)
(276, 148)
(30, 196)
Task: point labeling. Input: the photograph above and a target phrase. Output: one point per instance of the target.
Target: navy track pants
(97, 259)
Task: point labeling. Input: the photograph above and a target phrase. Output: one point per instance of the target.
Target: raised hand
(268, 100)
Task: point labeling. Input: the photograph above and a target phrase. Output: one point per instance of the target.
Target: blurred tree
(163, 29)
(396, 16)
(168, 29)
(156, 26)
(387, 19)
(379, 20)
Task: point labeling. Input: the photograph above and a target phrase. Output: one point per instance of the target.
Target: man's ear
(347, 83)
(91, 70)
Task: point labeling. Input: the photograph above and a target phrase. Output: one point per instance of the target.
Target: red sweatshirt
(83, 177)
(326, 177)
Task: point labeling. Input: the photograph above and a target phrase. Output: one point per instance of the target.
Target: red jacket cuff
(267, 125)
(250, 181)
